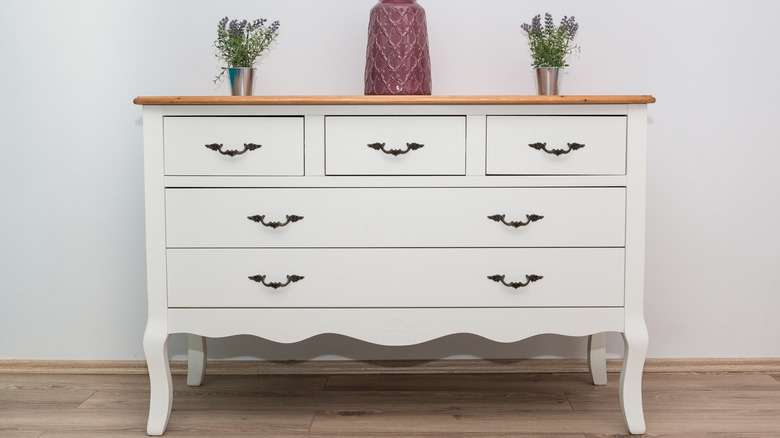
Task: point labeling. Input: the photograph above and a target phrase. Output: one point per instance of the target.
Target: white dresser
(395, 220)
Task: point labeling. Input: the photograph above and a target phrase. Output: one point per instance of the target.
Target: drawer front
(192, 145)
(570, 277)
(563, 145)
(395, 145)
(398, 217)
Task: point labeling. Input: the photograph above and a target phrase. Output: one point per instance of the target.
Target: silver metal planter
(241, 80)
(548, 80)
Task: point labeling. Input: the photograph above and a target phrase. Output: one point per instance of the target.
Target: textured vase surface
(397, 56)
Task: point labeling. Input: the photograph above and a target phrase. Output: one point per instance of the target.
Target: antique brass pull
(232, 153)
(516, 284)
(261, 219)
(529, 218)
(557, 152)
(396, 152)
(276, 284)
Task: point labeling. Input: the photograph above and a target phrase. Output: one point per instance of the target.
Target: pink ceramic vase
(397, 58)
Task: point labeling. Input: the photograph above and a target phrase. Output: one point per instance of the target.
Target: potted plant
(240, 43)
(550, 44)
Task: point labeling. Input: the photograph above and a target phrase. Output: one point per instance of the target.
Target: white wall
(71, 202)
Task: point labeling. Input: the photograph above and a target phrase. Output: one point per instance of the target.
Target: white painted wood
(161, 396)
(396, 250)
(281, 140)
(597, 358)
(347, 140)
(395, 181)
(508, 152)
(635, 213)
(635, 339)
(573, 277)
(635, 334)
(396, 327)
(314, 135)
(196, 359)
(154, 196)
(396, 217)
(475, 144)
(156, 335)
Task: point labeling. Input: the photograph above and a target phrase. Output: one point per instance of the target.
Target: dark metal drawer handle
(529, 218)
(247, 147)
(276, 284)
(396, 152)
(557, 152)
(516, 284)
(261, 219)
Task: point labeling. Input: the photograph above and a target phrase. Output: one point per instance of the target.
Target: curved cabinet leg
(196, 359)
(597, 358)
(635, 339)
(161, 397)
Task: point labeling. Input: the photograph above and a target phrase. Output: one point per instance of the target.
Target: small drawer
(395, 217)
(233, 145)
(299, 278)
(561, 145)
(423, 145)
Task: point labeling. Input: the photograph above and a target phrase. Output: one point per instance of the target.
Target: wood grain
(422, 420)
(20, 434)
(546, 405)
(391, 100)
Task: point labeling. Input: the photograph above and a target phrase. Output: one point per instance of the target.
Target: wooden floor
(439, 405)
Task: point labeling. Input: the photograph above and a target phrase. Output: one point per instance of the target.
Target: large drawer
(561, 145)
(417, 145)
(397, 217)
(570, 277)
(229, 145)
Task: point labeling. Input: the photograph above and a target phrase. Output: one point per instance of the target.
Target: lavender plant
(240, 43)
(550, 44)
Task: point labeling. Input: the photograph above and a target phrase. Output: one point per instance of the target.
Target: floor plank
(178, 434)
(414, 421)
(687, 435)
(687, 400)
(566, 405)
(734, 421)
(5, 433)
(345, 402)
(115, 421)
(459, 382)
(44, 397)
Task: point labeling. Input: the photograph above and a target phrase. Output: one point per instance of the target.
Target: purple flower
(548, 22)
(570, 26)
(536, 23)
(233, 28)
(550, 44)
(240, 43)
(535, 26)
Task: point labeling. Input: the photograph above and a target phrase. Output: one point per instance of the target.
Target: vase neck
(400, 2)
